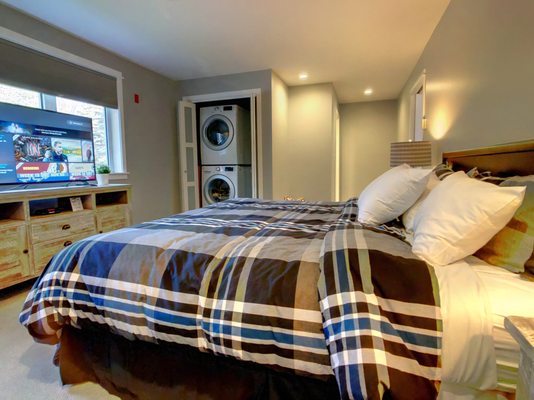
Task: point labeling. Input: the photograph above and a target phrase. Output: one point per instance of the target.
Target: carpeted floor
(26, 369)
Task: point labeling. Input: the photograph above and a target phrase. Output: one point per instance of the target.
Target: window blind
(30, 69)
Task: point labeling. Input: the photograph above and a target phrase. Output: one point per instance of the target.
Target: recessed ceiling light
(368, 92)
(303, 76)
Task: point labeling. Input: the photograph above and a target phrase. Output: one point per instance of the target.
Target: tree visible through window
(98, 115)
(18, 96)
(30, 98)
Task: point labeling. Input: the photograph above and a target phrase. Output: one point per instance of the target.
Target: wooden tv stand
(28, 242)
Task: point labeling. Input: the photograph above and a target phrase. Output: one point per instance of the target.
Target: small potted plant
(102, 175)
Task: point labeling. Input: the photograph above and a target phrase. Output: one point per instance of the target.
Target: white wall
(367, 129)
(303, 156)
(298, 127)
(335, 160)
(280, 122)
(479, 64)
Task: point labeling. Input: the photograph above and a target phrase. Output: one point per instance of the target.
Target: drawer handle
(25, 251)
(65, 227)
(67, 243)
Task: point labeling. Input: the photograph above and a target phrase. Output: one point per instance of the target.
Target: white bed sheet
(478, 353)
(468, 356)
(508, 295)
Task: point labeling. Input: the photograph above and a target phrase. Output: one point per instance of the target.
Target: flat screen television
(40, 146)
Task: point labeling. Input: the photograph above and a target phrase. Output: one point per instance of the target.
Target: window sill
(118, 176)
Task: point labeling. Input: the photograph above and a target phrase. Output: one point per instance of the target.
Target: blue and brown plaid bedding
(290, 285)
(380, 307)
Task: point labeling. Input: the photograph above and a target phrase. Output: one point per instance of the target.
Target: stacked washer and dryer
(225, 153)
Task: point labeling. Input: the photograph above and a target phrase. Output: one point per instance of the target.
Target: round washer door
(218, 188)
(217, 132)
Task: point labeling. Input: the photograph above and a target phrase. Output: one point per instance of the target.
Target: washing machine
(223, 182)
(224, 135)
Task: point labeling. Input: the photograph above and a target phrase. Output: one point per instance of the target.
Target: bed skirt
(143, 370)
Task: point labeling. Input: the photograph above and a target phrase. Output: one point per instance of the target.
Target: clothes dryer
(225, 182)
(225, 135)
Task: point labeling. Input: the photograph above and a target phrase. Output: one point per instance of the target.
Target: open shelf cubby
(111, 198)
(57, 205)
(13, 211)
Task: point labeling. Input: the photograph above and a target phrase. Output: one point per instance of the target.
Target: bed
(263, 299)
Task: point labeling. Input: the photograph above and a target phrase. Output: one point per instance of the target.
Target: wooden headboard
(503, 160)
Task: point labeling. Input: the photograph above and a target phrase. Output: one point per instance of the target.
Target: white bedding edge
(449, 391)
(509, 295)
(476, 297)
(468, 354)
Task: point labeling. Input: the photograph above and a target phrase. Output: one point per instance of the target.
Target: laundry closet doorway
(190, 140)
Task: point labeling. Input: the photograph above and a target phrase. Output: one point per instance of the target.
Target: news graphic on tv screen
(38, 146)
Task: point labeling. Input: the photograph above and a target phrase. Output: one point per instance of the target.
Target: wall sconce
(423, 123)
(415, 154)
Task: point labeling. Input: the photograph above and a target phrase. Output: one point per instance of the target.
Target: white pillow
(391, 194)
(409, 216)
(460, 215)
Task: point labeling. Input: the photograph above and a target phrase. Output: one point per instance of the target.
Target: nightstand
(522, 330)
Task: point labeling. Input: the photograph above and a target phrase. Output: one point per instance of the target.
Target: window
(99, 114)
(18, 96)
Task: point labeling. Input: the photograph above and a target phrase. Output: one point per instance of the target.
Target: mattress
(506, 292)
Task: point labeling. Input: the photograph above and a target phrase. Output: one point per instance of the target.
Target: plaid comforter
(260, 281)
(381, 314)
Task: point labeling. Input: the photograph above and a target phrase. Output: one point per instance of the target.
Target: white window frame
(418, 87)
(48, 102)
(116, 140)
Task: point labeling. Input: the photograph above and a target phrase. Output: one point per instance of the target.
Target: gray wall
(247, 80)
(479, 64)
(150, 126)
(366, 131)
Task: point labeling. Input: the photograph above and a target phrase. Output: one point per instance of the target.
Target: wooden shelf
(60, 215)
(29, 241)
(5, 223)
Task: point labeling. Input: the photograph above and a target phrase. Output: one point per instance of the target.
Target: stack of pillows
(449, 215)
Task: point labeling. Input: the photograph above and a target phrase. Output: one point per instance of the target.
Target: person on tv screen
(58, 155)
(47, 156)
(19, 154)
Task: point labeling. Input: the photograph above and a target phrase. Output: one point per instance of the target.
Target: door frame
(182, 151)
(256, 133)
(415, 126)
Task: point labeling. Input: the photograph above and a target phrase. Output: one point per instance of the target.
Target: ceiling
(355, 44)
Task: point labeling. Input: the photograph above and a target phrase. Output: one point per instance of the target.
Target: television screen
(38, 146)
